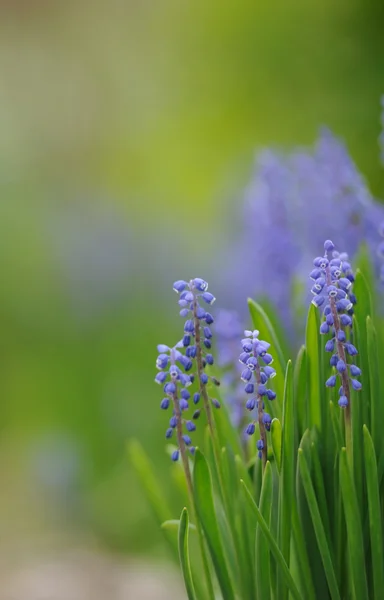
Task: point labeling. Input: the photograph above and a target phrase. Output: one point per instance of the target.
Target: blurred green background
(127, 134)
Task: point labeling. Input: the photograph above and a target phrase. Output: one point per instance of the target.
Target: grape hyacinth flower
(333, 280)
(175, 381)
(256, 373)
(381, 137)
(198, 335)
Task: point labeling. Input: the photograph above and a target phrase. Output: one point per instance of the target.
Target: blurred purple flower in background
(294, 201)
(381, 136)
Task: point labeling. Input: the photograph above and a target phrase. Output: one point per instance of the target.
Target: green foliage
(309, 525)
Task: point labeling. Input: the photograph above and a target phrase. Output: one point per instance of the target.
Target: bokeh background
(127, 136)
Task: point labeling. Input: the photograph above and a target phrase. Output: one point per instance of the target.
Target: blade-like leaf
(174, 524)
(313, 369)
(300, 390)
(184, 554)
(355, 536)
(287, 475)
(263, 567)
(279, 558)
(375, 524)
(276, 435)
(318, 527)
(206, 513)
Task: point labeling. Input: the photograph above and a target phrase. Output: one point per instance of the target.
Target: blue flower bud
(329, 246)
(341, 336)
(196, 414)
(249, 388)
(270, 372)
(191, 352)
(162, 348)
(200, 312)
(186, 340)
(271, 395)
(207, 332)
(187, 440)
(173, 422)
(267, 359)
(168, 433)
(259, 444)
(262, 390)
(162, 361)
(209, 359)
(324, 328)
(329, 320)
(190, 426)
(252, 363)
(331, 382)
(207, 344)
(333, 361)
(260, 454)
(318, 300)
(345, 320)
(343, 401)
(175, 456)
(356, 384)
(170, 388)
(263, 377)
(350, 349)
(345, 283)
(184, 312)
(204, 378)
(189, 326)
(341, 366)
(244, 356)
(164, 403)
(246, 375)
(267, 421)
(208, 319)
(344, 304)
(185, 394)
(200, 284)
(208, 298)
(215, 403)
(179, 286)
(330, 345)
(183, 404)
(247, 345)
(250, 404)
(161, 377)
(196, 398)
(250, 429)
(315, 274)
(355, 371)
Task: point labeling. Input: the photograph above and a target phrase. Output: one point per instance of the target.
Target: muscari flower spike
(197, 338)
(173, 376)
(256, 373)
(332, 289)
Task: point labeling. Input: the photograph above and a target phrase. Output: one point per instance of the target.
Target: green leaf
(355, 536)
(287, 475)
(377, 414)
(184, 554)
(336, 426)
(174, 524)
(276, 437)
(279, 558)
(314, 377)
(263, 567)
(318, 527)
(206, 513)
(375, 523)
(262, 322)
(300, 390)
(147, 478)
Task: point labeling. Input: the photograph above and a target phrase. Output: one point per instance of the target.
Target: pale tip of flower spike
(329, 246)
(179, 286)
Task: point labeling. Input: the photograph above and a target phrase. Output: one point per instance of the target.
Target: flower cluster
(197, 332)
(333, 279)
(175, 381)
(175, 364)
(294, 201)
(256, 374)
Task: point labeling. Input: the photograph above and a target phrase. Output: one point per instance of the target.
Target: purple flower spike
(338, 300)
(256, 376)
